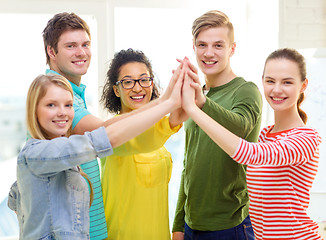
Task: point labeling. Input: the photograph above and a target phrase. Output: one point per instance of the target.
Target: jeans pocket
(248, 231)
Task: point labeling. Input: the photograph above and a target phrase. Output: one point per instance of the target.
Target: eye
(145, 80)
(128, 82)
(287, 82)
(218, 45)
(201, 45)
(86, 45)
(270, 81)
(69, 105)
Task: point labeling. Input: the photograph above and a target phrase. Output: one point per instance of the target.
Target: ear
(116, 91)
(233, 49)
(304, 85)
(50, 52)
(193, 45)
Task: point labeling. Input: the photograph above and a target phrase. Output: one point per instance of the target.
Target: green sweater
(213, 193)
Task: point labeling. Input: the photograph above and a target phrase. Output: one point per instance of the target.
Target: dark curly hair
(108, 98)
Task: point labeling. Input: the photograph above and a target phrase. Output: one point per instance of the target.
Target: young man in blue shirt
(67, 42)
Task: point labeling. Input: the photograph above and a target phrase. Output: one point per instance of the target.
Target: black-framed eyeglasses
(129, 83)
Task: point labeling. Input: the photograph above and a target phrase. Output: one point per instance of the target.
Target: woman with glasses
(135, 186)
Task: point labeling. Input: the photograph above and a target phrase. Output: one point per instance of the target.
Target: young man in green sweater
(213, 199)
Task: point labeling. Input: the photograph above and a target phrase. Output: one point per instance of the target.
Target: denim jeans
(243, 231)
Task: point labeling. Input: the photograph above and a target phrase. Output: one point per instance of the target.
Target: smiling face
(213, 51)
(55, 111)
(137, 96)
(73, 56)
(282, 85)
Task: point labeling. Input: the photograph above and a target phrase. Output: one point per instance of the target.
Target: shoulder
(244, 85)
(247, 92)
(307, 132)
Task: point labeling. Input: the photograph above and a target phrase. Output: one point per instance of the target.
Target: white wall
(303, 23)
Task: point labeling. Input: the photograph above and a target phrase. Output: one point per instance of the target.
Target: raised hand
(192, 71)
(175, 86)
(170, 87)
(188, 94)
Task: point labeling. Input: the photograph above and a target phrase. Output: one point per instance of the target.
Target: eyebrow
(70, 43)
(288, 78)
(141, 75)
(219, 41)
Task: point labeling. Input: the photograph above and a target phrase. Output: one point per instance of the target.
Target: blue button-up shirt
(97, 230)
(52, 199)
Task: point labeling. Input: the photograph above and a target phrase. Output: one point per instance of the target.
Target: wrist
(201, 103)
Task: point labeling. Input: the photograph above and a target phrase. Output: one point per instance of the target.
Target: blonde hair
(36, 92)
(212, 19)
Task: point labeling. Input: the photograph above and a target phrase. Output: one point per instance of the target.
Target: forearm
(136, 111)
(177, 117)
(150, 140)
(12, 197)
(129, 127)
(179, 216)
(228, 141)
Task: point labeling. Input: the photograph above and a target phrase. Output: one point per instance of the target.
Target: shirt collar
(78, 89)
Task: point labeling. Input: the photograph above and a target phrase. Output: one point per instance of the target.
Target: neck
(72, 78)
(286, 120)
(220, 78)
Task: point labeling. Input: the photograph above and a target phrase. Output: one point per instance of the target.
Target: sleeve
(179, 217)
(12, 197)
(295, 149)
(48, 157)
(152, 139)
(80, 112)
(245, 111)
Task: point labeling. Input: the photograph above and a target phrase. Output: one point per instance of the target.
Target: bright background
(162, 30)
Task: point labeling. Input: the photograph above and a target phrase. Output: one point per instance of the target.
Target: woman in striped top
(283, 164)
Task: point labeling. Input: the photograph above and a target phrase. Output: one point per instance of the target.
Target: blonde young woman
(50, 197)
(283, 164)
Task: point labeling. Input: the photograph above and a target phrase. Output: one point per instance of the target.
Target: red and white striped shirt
(281, 169)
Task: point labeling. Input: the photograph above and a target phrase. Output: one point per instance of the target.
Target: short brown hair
(60, 23)
(212, 19)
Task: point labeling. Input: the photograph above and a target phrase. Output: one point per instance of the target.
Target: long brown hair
(36, 92)
(294, 56)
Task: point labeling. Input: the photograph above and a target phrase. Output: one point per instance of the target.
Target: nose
(137, 87)
(209, 52)
(80, 51)
(277, 88)
(62, 111)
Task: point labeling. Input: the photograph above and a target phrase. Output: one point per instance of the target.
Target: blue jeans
(243, 231)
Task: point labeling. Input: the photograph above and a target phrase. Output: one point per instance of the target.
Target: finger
(175, 75)
(194, 77)
(191, 66)
(196, 86)
(187, 81)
